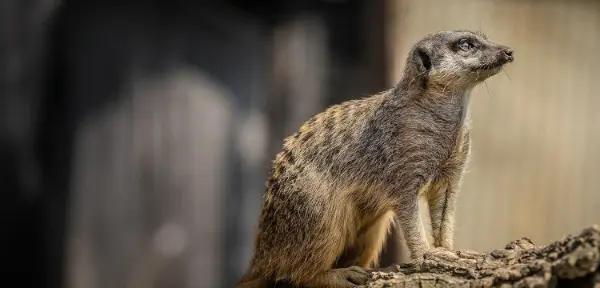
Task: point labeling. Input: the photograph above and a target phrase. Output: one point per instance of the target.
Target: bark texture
(570, 262)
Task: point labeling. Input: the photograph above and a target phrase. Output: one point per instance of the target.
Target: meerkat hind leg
(322, 250)
(371, 241)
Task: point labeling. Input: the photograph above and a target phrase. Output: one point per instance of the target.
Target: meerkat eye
(465, 45)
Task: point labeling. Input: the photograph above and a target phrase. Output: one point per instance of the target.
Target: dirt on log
(570, 262)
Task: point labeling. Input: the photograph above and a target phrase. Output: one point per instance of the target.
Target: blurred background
(135, 136)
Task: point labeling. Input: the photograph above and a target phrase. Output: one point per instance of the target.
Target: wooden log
(570, 262)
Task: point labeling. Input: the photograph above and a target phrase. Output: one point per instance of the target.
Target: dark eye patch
(465, 44)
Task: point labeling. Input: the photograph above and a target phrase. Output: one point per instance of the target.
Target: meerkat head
(456, 59)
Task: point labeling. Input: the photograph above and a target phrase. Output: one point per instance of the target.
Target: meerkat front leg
(410, 223)
(442, 209)
(442, 196)
(409, 218)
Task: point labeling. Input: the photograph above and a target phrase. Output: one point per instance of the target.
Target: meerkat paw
(435, 251)
(439, 248)
(419, 258)
(350, 277)
(356, 275)
(448, 245)
(442, 252)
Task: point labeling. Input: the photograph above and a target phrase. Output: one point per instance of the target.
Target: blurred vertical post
(22, 206)
(167, 140)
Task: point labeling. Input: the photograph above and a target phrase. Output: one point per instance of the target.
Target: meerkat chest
(446, 146)
(458, 156)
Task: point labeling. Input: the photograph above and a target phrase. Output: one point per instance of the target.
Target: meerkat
(352, 171)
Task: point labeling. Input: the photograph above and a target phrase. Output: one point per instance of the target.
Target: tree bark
(570, 262)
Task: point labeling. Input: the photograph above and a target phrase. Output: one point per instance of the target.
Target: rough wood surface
(570, 262)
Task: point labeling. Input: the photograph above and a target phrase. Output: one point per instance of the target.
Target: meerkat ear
(423, 59)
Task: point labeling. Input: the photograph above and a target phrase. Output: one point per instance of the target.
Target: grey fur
(349, 171)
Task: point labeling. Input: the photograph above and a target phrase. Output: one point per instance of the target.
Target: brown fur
(349, 171)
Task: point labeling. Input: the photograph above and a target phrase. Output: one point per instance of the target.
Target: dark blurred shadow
(140, 161)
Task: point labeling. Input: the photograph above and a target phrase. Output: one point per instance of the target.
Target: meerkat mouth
(492, 66)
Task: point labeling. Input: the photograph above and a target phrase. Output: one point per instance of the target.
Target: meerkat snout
(505, 55)
(509, 54)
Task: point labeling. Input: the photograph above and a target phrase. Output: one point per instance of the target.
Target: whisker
(488, 89)
(505, 73)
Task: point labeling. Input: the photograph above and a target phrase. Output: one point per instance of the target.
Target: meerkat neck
(466, 100)
(449, 104)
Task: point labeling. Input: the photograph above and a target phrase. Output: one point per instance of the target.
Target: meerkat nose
(509, 54)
